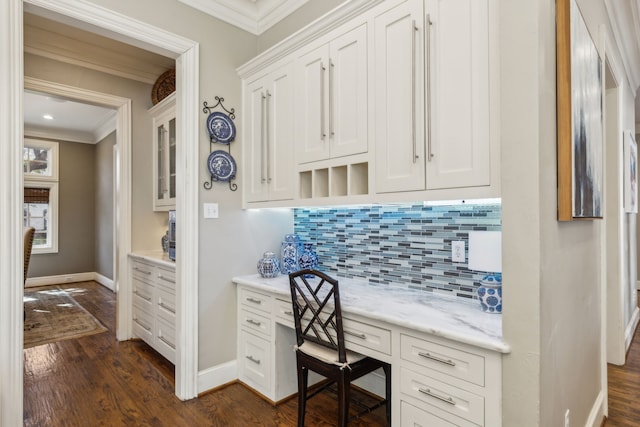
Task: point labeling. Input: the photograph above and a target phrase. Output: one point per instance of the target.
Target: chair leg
(303, 377)
(343, 400)
(387, 377)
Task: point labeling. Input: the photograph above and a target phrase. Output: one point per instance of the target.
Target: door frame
(108, 23)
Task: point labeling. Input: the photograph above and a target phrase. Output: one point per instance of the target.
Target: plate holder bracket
(208, 109)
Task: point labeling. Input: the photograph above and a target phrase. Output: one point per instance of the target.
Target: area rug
(53, 315)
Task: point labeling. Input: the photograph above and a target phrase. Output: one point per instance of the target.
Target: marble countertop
(157, 257)
(441, 315)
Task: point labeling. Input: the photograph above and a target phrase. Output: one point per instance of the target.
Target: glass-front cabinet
(164, 154)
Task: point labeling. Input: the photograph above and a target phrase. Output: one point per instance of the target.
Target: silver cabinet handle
(254, 300)
(142, 296)
(430, 154)
(288, 313)
(268, 137)
(145, 327)
(251, 358)
(413, 89)
(142, 271)
(253, 322)
(355, 334)
(437, 359)
(166, 307)
(331, 129)
(173, 346)
(323, 69)
(166, 279)
(445, 399)
(262, 136)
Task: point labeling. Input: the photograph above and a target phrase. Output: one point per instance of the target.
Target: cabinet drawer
(366, 335)
(142, 271)
(254, 362)
(443, 396)
(255, 322)
(255, 300)
(142, 295)
(166, 340)
(166, 306)
(143, 325)
(166, 279)
(410, 416)
(447, 360)
(284, 312)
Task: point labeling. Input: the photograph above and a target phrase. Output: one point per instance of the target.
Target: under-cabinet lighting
(495, 201)
(47, 116)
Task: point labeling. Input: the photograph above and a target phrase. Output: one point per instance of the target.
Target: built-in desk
(445, 353)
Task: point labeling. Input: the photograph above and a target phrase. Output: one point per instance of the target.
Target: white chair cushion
(328, 355)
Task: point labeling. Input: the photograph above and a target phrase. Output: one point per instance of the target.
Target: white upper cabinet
(164, 154)
(331, 107)
(458, 135)
(268, 134)
(399, 104)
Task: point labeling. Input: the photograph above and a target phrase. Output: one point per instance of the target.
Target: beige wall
(75, 215)
(103, 249)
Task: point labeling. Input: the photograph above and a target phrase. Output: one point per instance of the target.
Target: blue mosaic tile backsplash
(398, 245)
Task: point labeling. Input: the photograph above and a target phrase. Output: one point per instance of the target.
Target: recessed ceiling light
(47, 116)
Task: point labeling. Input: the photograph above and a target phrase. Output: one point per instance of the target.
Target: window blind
(36, 195)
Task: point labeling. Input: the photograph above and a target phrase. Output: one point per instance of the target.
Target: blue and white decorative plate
(221, 128)
(221, 166)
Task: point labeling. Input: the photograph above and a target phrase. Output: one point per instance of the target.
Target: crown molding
(254, 16)
(624, 19)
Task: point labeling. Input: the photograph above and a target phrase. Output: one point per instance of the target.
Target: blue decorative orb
(490, 293)
(268, 265)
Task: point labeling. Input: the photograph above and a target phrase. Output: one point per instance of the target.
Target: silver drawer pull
(147, 328)
(167, 342)
(253, 300)
(428, 392)
(354, 334)
(437, 359)
(142, 296)
(166, 307)
(256, 361)
(166, 279)
(141, 270)
(253, 322)
(288, 313)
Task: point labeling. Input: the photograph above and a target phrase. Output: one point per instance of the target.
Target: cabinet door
(312, 107)
(164, 168)
(279, 144)
(398, 74)
(459, 88)
(255, 140)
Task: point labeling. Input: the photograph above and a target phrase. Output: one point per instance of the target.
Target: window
(40, 208)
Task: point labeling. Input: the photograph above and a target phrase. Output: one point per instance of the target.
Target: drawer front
(443, 396)
(255, 300)
(255, 322)
(447, 360)
(254, 362)
(410, 416)
(166, 279)
(284, 312)
(142, 271)
(143, 325)
(166, 306)
(166, 340)
(366, 335)
(142, 295)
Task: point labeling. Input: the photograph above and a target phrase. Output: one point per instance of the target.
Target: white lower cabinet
(410, 416)
(154, 305)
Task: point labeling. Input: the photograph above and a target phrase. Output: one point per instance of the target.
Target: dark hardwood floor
(98, 381)
(624, 388)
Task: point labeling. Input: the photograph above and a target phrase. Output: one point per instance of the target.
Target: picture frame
(630, 171)
(579, 117)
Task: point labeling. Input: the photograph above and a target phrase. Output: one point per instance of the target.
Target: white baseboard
(217, 376)
(597, 412)
(631, 328)
(69, 278)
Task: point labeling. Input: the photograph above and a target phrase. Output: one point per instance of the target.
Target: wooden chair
(321, 347)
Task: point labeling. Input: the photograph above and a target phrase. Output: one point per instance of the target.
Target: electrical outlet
(566, 419)
(210, 210)
(457, 251)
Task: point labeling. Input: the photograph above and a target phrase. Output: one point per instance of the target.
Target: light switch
(210, 210)
(457, 251)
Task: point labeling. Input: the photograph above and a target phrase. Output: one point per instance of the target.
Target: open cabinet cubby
(335, 181)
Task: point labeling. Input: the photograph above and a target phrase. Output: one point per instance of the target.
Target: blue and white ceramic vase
(268, 265)
(308, 258)
(490, 293)
(290, 252)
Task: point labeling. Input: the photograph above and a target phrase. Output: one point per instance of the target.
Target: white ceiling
(254, 16)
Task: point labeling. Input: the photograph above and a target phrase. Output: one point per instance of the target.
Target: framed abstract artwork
(579, 117)
(630, 171)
